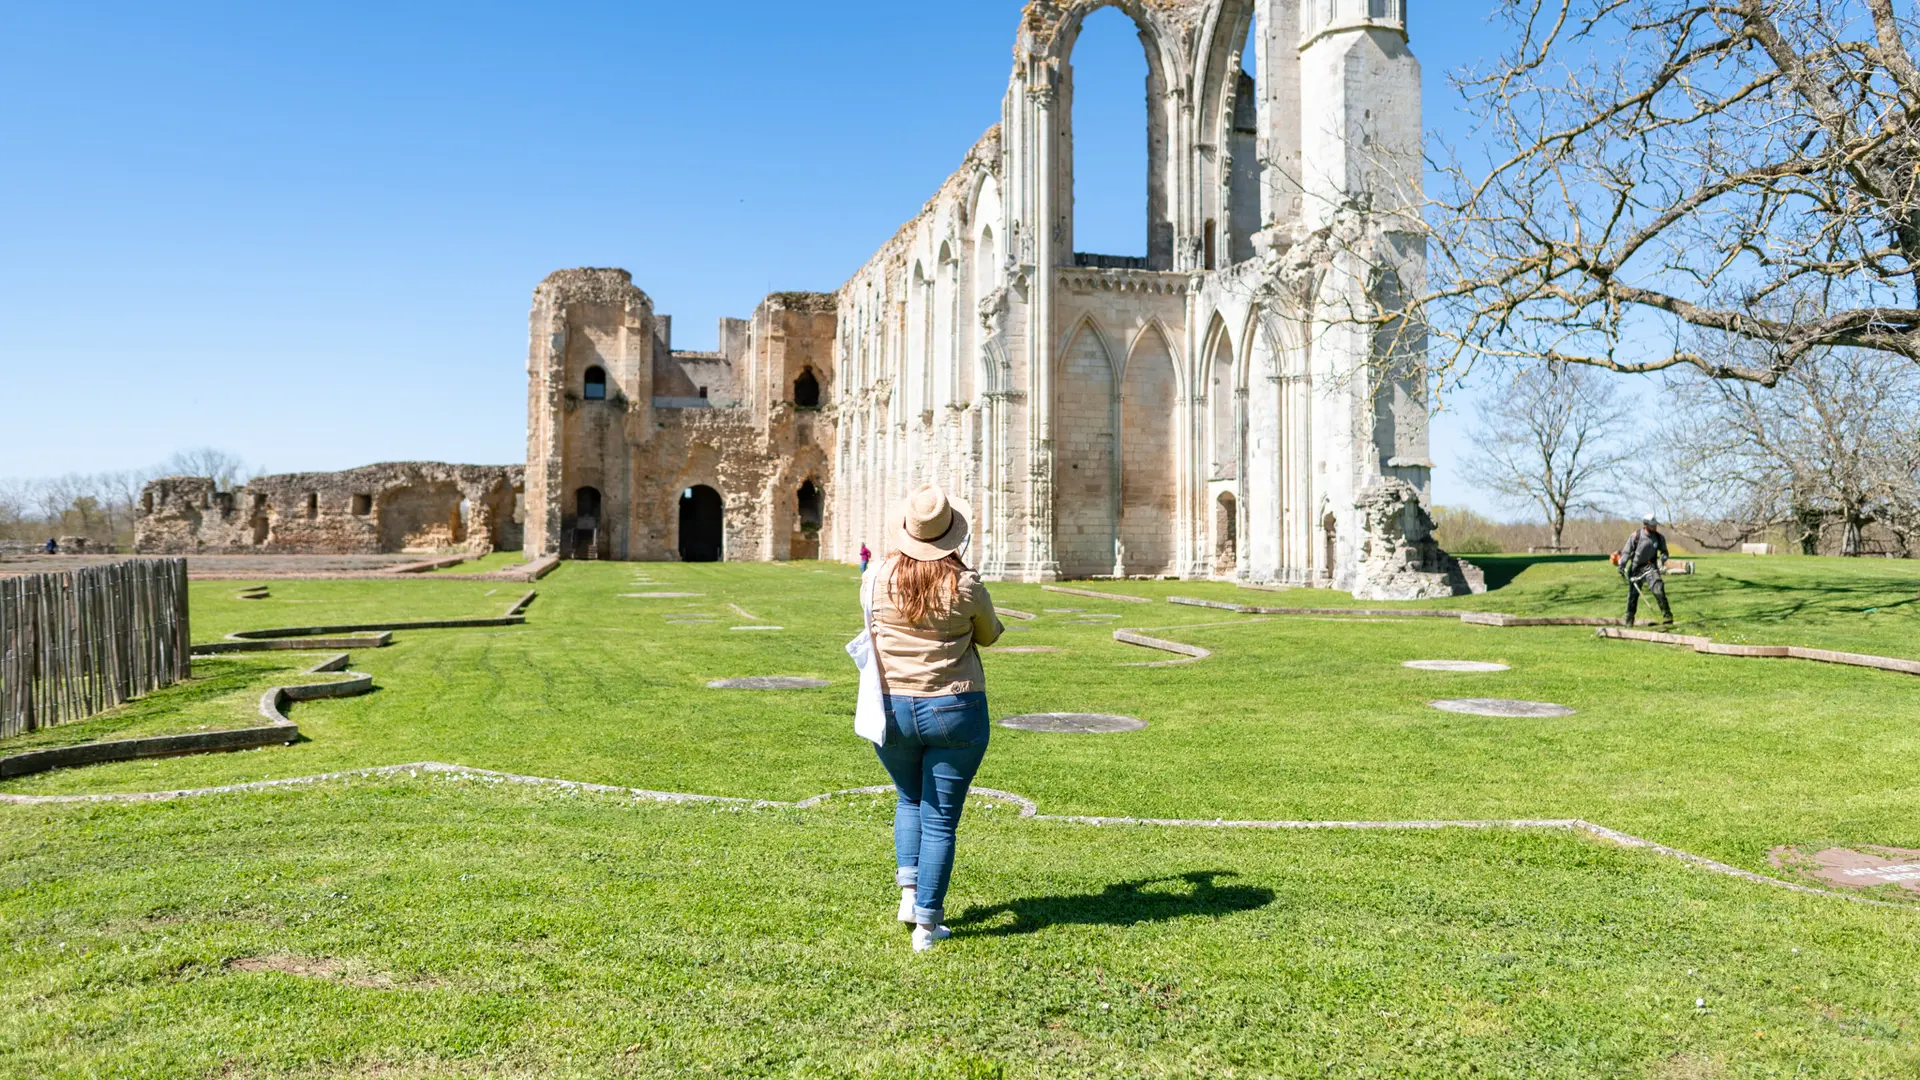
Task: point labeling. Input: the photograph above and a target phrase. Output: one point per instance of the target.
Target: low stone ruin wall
(379, 509)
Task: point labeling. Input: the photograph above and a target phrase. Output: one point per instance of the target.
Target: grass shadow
(1501, 570)
(1125, 903)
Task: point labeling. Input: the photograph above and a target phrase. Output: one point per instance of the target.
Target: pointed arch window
(1109, 156)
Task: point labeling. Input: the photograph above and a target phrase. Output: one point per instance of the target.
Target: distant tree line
(1465, 532)
(101, 506)
(1827, 461)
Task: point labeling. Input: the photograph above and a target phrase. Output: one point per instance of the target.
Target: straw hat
(932, 527)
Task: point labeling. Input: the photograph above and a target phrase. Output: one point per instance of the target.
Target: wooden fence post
(78, 643)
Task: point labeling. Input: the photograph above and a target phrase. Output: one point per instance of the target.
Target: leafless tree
(1835, 445)
(227, 470)
(1551, 437)
(15, 501)
(119, 497)
(1662, 172)
(51, 497)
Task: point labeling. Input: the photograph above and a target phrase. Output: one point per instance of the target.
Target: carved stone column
(1042, 563)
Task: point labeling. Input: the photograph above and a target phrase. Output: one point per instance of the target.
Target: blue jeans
(933, 749)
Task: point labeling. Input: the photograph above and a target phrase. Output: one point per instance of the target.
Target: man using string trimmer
(1641, 562)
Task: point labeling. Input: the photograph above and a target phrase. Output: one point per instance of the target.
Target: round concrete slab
(1066, 723)
(1025, 649)
(768, 682)
(1500, 707)
(1064, 610)
(1454, 665)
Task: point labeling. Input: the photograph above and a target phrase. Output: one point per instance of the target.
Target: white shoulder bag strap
(869, 714)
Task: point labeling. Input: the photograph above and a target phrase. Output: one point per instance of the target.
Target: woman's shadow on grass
(1124, 903)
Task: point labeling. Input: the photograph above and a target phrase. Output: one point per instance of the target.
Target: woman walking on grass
(928, 614)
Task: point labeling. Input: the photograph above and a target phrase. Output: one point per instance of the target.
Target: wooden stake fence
(79, 643)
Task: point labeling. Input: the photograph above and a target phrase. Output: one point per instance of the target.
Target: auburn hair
(921, 590)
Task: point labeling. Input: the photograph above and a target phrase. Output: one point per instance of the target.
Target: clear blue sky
(308, 233)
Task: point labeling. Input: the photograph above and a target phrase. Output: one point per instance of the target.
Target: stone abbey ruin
(1240, 402)
(405, 506)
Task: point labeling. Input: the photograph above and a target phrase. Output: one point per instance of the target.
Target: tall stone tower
(639, 451)
(589, 382)
(1360, 176)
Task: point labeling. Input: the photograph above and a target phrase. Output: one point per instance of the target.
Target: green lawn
(482, 931)
(487, 564)
(224, 695)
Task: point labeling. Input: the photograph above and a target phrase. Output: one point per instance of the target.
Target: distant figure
(865, 558)
(929, 614)
(1641, 562)
(53, 547)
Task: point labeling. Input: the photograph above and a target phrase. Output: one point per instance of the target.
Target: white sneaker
(906, 905)
(924, 938)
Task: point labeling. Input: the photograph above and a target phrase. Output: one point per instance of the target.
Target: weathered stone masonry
(1238, 403)
(637, 451)
(1220, 407)
(404, 506)
(1217, 408)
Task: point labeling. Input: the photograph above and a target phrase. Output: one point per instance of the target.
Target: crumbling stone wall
(378, 509)
(608, 475)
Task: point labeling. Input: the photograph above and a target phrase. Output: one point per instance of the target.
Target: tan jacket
(936, 657)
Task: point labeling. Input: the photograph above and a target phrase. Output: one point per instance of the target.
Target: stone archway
(703, 523)
(1058, 35)
(1226, 535)
(584, 541)
(809, 515)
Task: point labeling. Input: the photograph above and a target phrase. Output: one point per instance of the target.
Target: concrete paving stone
(1073, 723)
(1454, 665)
(1501, 707)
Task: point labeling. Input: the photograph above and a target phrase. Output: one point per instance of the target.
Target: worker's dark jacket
(1644, 549)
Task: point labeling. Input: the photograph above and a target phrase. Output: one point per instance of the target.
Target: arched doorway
(1226, 534)
(703, 519)
(586, 523)
(807, 521)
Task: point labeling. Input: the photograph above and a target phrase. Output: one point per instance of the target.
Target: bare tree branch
(1660, 171)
